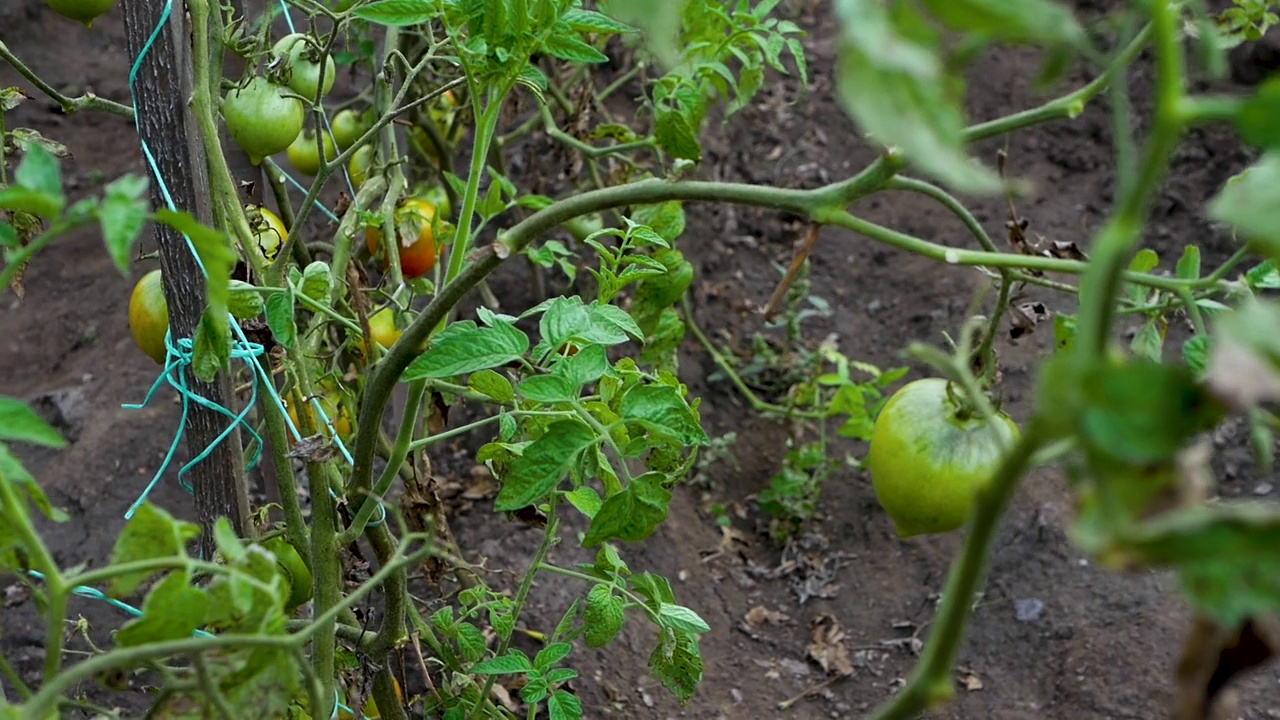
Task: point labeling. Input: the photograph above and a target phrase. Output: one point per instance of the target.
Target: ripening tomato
(359, 164)
(382, 327)
(331, 403)
(304, 153)
(417, 243)
(261, 119)
(82, 11)
(928, 462)
(349, 125)
(302, 60)
(149, 316)
(268, 230)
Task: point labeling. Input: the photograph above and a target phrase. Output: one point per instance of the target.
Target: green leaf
(468, 349)
(398, 13)
(122, 214)
(1145, 261)
(661, 409)
(544, 464)
(631, 515)
(317, 281)
(244, 301)
(150, 533)
(471, 642)
(1148, 342)
(280, 318)
(676, 135)
(1142, 412)
(609, 562)
(1064, 332)
(19, 423)
(495, 386)
(512, 663)
(535, 690)
(1026, 21)
(654, 588)
(604, 616)
(1256, 118)
(548, 389)
(681, 619)
(173, 610)
(11, 470)
(563, 42)
(1250, 202)
(898, 92)
(590, 21)
(677, 663)
(211, 347)
(588, 366)
(1189, 264)
(228, 543)
(585, 499)
(563, 705)
(1196, 353)
(8, 236)
(667, 219)
(551, 655)
(38, 175)
(1228, 555)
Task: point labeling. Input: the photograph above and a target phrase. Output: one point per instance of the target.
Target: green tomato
(927, 463)
(348, 126)
(302, 61)
(294, 570)
(83, 11)
(261, 119)
(304, 152)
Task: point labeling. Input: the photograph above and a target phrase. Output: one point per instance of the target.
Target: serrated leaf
(564, 43)
(677, 663)
(39, 176)
(676, 135)
(317, 281)
(631, 515)
(662, 410)
(514, 662)
(1195, 351)
(589, 365)
(150, 533)
(398, 13)
(563, 705)
(121, 215)
(19, 423)
(211, 347)
(551, 655)
(548, 389)
(604, 617)
(12, 470)
(681, 619)
(667, 219)
(469, 349)
(173, 610)
(470, 641)
(590, 21)
(585, 499)
(495, 386)
(280, 318)
(544, 464)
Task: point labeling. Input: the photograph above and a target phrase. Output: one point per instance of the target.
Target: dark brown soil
(1097, 645)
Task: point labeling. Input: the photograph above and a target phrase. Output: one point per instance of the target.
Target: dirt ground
(1052, 637)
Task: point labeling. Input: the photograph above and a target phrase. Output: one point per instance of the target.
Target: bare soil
(1052, 637)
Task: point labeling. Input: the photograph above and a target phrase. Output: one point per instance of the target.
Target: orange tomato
(416, 240)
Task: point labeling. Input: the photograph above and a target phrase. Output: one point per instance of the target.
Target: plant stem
(548, 539)
(930, 681)
(485, 128)
(399, 452)
(69, 105)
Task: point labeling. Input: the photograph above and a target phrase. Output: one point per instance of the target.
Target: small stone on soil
(1028, 610)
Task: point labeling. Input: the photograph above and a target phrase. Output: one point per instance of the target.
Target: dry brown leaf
(482, 484)
(828, 648)
(760, 615)
(970, 680)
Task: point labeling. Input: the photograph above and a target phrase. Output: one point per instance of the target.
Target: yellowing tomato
(359, 164)
(329, 402)
(928, 463)
(268, 230)
(149, 316)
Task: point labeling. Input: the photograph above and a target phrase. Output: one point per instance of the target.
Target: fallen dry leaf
(828, 648)
(970, 680)
(482, 484)
(760, 615)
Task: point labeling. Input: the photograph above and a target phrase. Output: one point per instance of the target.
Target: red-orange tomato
(417, 257)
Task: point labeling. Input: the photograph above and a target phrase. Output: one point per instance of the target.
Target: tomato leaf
(590, 21)
(563, 42)
(398, 13)
(631, 515)
(681, 619)
(1255, 118)
(19, 423)
(676, 134)
(897, 90)
(563, 705)
(1250, 202)
(585, 499)
(173, 610)
(121, 215)
(464, 348)
(37, 184)
(12, 471)
(662, 410)
(244, 301)
(151, 533)
(548, 389)
(1189, 264)
(677, 663)
(1026, 21)
(513, 663)
(211, 347)
(551, 655)
(604, 617)
(280, 318)
(489, 383)
(544, 463)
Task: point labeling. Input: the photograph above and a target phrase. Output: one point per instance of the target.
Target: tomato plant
(576, 404)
